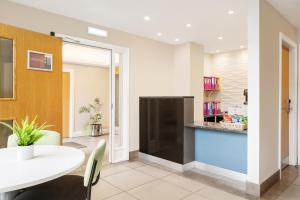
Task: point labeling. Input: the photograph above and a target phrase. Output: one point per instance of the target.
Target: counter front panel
(222, 149)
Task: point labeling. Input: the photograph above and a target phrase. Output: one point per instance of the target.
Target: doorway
(66, 104)
(285, 108)
(117, 99)
(288, 103)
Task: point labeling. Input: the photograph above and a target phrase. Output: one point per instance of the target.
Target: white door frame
(293, 95)
(298, 121)
(71, 105)
(121, 153)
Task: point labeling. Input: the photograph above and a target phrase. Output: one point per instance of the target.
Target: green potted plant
(93, 110)
(26, 135)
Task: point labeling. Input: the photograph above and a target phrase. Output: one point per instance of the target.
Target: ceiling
(290, 9)
(81, 55)
(209, 19)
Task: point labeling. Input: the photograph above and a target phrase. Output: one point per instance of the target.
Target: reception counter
(220, 147)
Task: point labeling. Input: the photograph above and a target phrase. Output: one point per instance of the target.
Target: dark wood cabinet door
(161, 128)
(171, 129)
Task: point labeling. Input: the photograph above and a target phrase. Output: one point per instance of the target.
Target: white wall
(232, 68)
(89, 83)
(151, 62)
(253, 139)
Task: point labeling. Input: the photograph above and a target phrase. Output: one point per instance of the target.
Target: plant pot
(96, 130)
(24, 152)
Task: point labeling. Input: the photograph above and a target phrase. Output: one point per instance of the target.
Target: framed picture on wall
(39, 61)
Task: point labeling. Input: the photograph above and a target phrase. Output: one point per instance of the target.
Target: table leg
(8, 195)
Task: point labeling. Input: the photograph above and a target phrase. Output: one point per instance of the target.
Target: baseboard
(259, 189)
(105, 131)
(133, 155)
(163, 162)
(78, 134)
(225, 173)
(236, 176)
(269, 182)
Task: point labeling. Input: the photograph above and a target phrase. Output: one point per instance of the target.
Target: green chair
(70, 187)
(50, 138)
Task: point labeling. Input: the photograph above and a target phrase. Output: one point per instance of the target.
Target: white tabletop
(49, 162)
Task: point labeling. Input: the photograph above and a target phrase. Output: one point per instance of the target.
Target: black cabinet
(162, 131)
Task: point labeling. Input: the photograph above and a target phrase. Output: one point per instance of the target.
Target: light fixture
(231, 12)
(188, 25)
(242, 46)
(97, 32)
(176, 40)
(220, 38)
(147, 18)
(159, 34)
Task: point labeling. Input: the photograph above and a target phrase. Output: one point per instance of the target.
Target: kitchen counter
(214, 127)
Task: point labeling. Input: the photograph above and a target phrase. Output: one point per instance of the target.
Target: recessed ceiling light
(231, 12)
(159, 34)
(147, 18)
(188, 25)
(220, 38)
(176, 40)
(242, 46)
(217, 51)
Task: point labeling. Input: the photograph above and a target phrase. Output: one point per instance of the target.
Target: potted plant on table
(93, 110)
(26, 135)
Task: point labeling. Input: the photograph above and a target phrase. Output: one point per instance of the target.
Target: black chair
(69, 187)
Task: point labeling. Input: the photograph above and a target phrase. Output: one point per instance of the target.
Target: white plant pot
(24, 152)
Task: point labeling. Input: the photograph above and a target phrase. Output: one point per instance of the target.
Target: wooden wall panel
(38, 93)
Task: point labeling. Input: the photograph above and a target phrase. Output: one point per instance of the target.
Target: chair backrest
(50, 138)
(92, 171)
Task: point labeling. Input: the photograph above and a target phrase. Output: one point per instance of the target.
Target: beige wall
(188, 74)
(232, 68)
(151, 62)
(197, 68)
(89, 83)
(271, 24)
(182, 70)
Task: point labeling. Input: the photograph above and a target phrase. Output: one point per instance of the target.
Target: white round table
(49, 162)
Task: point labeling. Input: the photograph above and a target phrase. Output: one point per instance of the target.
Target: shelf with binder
(211, 84)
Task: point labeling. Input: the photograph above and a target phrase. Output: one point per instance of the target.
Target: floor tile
(134, 164)
(122, 196)
(297, 181)
(194, 197)
(184, 182)
(113, 169)
(216, 194)
(128, 179)
(159, 190)
(153, 171)
(292, 193)
(104, 190)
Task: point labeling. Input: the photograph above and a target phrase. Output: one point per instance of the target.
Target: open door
(66, 104)
(120, 151)
(285, 108)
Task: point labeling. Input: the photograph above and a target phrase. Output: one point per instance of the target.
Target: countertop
(214, 127)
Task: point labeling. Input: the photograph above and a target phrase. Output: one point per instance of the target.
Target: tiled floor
(90, 143)
(148, 181)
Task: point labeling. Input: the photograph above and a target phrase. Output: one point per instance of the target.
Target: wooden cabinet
(162, 131)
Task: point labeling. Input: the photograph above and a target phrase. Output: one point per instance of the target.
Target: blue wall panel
(225, 150)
